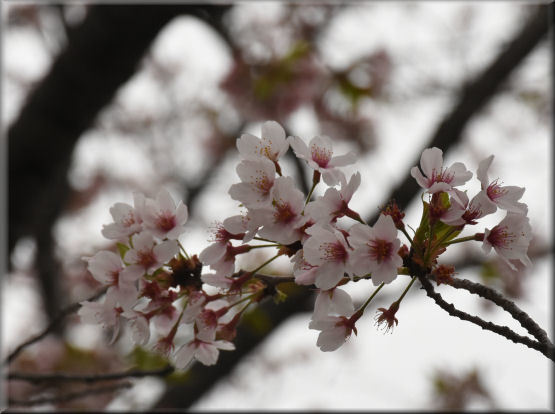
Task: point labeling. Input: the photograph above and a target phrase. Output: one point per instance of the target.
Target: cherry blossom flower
(242, 224)
(217, 250)
(257, 179)
(375, 250)
(283, 217)
(334, 203)
(319, 156)
(272, 145)
(140, 328)
(127, 220)
(335, 330)
(464, 212)
(304, 272)
(163, 218)
(436, 178)
(107, 314)
(510, 239)
(195, 305)
(149, 255)
(327, 249)
(204, 348)
(333, 302)
(107, 268)
(505, 197)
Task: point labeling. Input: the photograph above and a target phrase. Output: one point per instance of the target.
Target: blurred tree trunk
(102, 53)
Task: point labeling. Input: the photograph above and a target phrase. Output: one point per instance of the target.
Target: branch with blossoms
(154, 285)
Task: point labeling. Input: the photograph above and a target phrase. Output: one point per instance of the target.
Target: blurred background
(100, 101)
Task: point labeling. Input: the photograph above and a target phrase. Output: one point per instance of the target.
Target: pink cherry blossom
(334, 203)
(327, 249)
(333, 302)
(477, 208)
(140, 328)
(319, 156)
(272, 145)
(510, 239)
(436, 178)
(283, 217)
(257, 179)
(195, 305)
(504, 197)
(107, 268)
(375, 250)
(304, 272)
(106, 313)
(149, 255)
(127, 219)
(204, 348)
(163, 218)
(242, 224)
(335, 330)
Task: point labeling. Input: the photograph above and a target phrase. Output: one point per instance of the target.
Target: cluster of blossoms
(155, 285)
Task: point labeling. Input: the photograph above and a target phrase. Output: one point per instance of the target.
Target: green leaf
(280, 296)
(424, 225)
(146, 360)
(122, 248)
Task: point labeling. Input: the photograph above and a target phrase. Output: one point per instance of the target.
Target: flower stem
(310, 192)
(183, 250)
(258, 246)
(407, 235)
(406, 289)
(460, 240)
(264, 264)
(370, 298)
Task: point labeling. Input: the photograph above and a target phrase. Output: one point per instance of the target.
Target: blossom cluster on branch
(186, 312)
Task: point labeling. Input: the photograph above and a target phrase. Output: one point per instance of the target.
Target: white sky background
(372, 371)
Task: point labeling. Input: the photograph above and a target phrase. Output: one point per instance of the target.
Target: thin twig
(69, 396)
(65, 312)
(504, 331)
(522, 317)
(64, 377)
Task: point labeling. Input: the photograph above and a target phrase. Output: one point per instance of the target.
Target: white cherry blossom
(375, 250)
(149, 255)
(127, 219)
(204, 348)
(334, 203)
(319, 156)
(283, 217)
(510, 239)
(257, 179)
(333, 302)
(504, 197)
(163, 218)
(436, 178)
(272, 145)
(335, 330)
(327, 249)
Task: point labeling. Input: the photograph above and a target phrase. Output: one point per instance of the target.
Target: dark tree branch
(546, 349)
(69, 396)
(475, 95)
(101, 55)
(52, 325)
(518, 314)
(65, 377)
